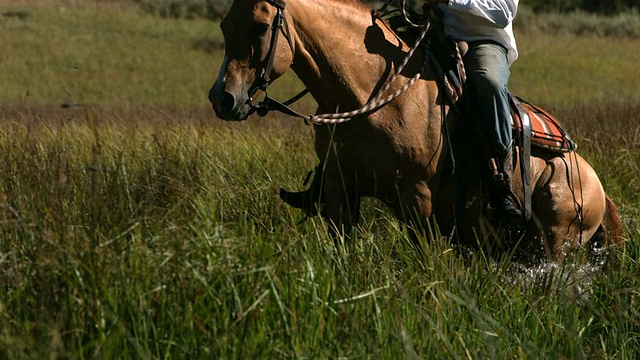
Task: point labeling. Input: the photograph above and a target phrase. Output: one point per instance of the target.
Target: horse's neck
(335, 51)
(343, 56)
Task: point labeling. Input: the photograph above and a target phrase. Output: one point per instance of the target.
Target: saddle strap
(525, 156)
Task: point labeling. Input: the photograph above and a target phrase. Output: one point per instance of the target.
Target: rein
(375, 103)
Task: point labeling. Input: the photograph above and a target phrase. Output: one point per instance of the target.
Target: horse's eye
(261, 28)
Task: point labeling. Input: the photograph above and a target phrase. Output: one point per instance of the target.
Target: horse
(400, 153)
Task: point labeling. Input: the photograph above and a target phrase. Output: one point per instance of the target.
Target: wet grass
(140, 227)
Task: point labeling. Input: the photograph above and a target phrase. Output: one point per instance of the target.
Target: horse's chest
(378, 154)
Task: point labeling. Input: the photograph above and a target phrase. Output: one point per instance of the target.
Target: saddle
(546, 131)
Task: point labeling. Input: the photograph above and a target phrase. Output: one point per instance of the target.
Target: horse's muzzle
(228, 106)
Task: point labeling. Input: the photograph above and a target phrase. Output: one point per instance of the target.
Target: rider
(486, 26)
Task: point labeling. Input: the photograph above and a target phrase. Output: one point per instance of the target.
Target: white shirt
(472, 20)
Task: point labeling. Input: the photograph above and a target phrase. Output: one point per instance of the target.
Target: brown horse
(399, 153)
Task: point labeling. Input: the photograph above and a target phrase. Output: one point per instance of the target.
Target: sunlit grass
(568, 70)
(130, 238)
(62, 54)
(59, 54)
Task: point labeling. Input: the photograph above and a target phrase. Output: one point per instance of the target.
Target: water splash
(573, 277)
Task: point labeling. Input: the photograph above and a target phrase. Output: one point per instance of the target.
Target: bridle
(279, 24)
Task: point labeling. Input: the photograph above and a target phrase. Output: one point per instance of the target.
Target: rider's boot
(308, 200)
(501, 198)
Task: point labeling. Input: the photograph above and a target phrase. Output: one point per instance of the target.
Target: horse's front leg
(414, 209)
(342, 207)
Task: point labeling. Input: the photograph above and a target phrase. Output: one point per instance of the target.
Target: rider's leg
(488, 72)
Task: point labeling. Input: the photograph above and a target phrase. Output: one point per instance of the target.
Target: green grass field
(139, 226)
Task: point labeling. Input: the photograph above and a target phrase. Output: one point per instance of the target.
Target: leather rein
(281, 24)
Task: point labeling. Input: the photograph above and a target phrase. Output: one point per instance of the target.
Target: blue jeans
(488, 72)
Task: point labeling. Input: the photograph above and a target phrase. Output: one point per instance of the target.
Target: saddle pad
(546, 130)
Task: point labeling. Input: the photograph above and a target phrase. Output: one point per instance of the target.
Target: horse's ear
(278, 3)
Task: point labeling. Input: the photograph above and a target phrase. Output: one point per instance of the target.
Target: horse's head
(253, 55)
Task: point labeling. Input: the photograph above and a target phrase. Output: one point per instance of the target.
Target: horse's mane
(407, 34)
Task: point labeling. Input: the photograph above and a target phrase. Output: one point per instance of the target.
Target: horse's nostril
(227, 103)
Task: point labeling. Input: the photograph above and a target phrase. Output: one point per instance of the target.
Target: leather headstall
(280, 23)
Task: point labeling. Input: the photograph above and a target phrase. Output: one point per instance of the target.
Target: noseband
(280, 23)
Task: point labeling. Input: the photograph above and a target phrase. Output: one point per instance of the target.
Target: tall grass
(136, 226)
(60, 54)
(622, 25)
(129, 238)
